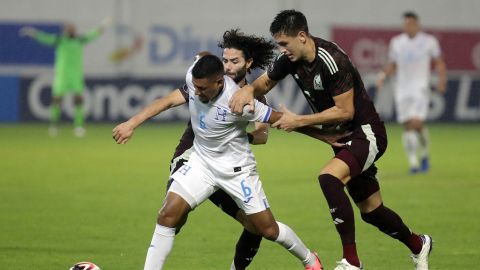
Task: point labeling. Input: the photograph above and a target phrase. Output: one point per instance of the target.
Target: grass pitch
(66, 200)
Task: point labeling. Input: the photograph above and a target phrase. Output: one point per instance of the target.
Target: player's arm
(312, 131)
(342, 111)
(123, 132)
(245, 95)
(442, 74)
(41, 37)
(382, 76)
(97, 31)
(259, 135)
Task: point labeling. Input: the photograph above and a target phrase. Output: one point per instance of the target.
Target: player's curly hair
(260, 50)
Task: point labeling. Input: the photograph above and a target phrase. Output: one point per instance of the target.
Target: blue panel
(9, 99)
(17, 50)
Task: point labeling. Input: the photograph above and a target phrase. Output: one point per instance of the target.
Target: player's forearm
(157, 107)
(260, 134)
(329, 116)
(313, 132)
(261, 85)
(441, 70)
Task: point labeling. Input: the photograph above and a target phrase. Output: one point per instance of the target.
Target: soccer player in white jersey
(221, 159)
(410, 56)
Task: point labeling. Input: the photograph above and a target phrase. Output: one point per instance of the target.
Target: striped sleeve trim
(328, 59)
(267, 116)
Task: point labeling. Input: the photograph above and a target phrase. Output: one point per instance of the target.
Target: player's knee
(169, 218)
(328, 181)
(270, 233)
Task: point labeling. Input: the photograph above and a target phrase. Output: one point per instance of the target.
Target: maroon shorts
(366, 145)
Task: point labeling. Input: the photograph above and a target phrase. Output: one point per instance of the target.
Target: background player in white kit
(221, 159)
(410, 55)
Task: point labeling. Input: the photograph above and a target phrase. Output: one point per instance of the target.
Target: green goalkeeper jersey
(68, 59)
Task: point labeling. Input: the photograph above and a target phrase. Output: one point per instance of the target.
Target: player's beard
(238, 76)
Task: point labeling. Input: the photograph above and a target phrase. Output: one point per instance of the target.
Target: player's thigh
(246, 190)
(192, 182)
(363, 186)
(412, 107)
(366, 145)
(174, 211)
(223, 201)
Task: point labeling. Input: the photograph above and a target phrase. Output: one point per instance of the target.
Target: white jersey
(221, 140)
(412, 57)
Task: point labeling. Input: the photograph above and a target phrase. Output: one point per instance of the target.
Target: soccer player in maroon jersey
(334, 90)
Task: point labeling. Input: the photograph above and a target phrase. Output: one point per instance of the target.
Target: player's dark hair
(258, 49)
(207, 67)
(410, 14)
(289, 22)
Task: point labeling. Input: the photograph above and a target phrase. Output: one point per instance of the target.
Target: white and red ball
(85, 266)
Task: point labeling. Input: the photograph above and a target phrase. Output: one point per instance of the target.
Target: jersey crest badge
(317, 82)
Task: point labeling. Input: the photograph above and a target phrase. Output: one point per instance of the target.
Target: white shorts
(194, 182)
(412, 107)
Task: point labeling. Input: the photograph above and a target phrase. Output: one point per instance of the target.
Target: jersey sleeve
(392, 51)
(91, 35)
(339, 77)
(262, 99)
(435, 50)
(184, 90)
(261, 113)
(46, 38)
(279, 68)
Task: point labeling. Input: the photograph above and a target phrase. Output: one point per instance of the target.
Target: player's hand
(381, 76)
(123, 132)
(442, 86)
(105, 23)
(288, 121)
(242, 98)
(27, 31)
(333, 139)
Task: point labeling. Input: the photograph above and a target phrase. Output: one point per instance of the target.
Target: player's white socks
(160, 247)
(410, 144)
(424, 140)
(288, 239)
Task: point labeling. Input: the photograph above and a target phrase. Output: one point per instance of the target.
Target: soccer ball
(85, 266)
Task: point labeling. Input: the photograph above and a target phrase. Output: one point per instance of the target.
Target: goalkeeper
(68, 74)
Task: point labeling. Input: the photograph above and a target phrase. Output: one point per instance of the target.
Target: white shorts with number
(194, 182)
(412, 107)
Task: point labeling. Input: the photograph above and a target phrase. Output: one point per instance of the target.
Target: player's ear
(248, 63)
(302, 36)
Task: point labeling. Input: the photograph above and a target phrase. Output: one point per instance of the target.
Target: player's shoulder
(230, 86)
(399, 38)
(330, 54)
(427, 36)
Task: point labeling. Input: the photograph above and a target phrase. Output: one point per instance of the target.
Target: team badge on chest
(317, 82)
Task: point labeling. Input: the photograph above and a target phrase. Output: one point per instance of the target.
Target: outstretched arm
(94, 33)
(41, 37)
(123, 132)
(313, 131)
(343, 111)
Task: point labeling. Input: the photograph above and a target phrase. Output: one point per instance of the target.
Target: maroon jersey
(186, 141)
(330, 74)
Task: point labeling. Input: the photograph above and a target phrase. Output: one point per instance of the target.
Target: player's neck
(242, 82)
(413, 34)
(311, 50)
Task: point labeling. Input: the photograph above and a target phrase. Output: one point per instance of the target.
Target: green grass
(65, 200)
